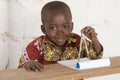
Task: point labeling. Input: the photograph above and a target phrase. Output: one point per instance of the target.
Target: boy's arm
(92, 52)
(32, 52)
(95, 48)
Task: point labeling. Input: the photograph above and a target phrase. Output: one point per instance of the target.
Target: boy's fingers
(89, 31)
(41, 66)
(38, 68)
(27, 68)
(33, 68)
(85, 30)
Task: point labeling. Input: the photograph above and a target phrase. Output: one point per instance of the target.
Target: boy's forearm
(97, 46)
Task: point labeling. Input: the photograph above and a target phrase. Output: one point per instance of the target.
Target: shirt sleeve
(92, 54)
(32, 52)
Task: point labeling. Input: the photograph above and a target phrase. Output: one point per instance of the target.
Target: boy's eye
(66, 26)
(53, 27)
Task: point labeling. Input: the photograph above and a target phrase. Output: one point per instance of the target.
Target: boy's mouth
(61, 40)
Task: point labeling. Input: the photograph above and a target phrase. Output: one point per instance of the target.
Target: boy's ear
(72, 26)
(43, 29)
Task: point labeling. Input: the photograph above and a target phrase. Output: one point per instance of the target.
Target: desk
(59, 72)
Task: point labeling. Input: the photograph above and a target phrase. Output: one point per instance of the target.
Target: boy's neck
(61, 47)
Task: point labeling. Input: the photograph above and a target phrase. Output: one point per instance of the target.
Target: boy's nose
(60, 31)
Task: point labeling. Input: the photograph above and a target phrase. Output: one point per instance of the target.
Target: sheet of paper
(85, 63)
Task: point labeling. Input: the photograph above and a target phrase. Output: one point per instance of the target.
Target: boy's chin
(60, 44)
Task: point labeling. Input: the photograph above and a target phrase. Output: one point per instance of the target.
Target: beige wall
(20, 23)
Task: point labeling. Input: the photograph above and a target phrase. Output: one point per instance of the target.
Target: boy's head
(57, 22)
(55, 6)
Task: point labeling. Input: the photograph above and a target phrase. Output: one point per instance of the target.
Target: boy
(58, 43)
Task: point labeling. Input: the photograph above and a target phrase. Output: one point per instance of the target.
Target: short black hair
(55, 5)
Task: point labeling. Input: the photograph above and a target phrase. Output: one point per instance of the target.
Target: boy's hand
(33, 66)
(90, 33)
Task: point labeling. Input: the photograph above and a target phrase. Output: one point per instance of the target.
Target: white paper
(85, 63)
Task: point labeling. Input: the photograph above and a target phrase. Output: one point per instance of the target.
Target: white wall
(3, 31)
(21, 23)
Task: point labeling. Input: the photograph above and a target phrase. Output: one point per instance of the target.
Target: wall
(20, 24)
(3, 31)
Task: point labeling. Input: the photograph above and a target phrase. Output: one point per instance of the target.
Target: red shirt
(43, 50)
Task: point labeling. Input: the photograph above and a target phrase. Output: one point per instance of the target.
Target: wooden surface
(59, 72)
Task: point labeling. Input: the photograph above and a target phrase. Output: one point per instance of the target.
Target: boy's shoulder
(74, 38)
(33, 42)
(74, 35)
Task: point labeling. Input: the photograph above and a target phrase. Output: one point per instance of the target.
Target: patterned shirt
(45, 51)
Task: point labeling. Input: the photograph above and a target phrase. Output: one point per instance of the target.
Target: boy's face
(58, 27)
